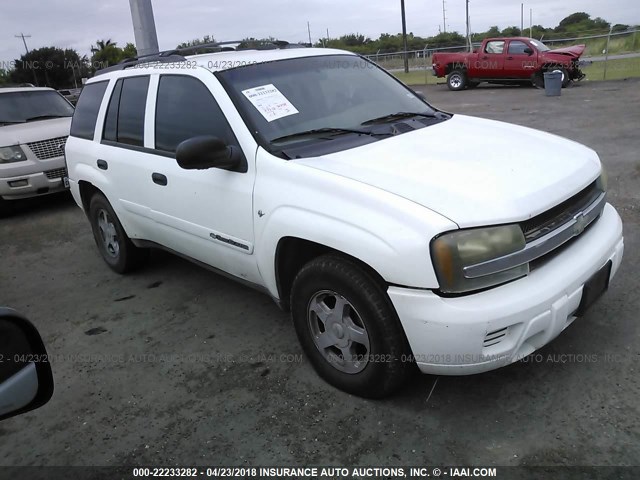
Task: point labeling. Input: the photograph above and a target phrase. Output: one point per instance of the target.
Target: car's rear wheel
(348, 327)
(457, 80)
(116, 248)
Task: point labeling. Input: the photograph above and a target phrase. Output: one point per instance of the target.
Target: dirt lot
(176, 365)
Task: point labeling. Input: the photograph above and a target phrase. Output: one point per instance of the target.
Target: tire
(537, 79)
(566, 80)
(362, 351)
(457, 80)
(116, 248)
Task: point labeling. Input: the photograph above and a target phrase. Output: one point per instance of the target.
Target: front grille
(54, 147)
(57, 173)
(556, 217)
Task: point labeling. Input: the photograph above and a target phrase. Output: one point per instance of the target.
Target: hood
(473, 171)
(574, 51)
(22, 133)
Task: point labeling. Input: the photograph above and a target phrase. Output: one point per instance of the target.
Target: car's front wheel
(457, 80)
(116, 248)
(348, 327)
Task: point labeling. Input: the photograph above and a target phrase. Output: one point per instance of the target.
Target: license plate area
(594, 288)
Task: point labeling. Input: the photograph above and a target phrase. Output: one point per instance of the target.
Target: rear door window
(495, 46)
(84, 119)
(124, 122)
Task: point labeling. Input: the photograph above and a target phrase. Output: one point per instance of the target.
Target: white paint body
(381, 203)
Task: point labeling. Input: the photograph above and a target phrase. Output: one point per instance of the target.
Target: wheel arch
(292, 253)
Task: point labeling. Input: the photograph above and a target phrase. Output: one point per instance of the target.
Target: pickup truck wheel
(566, 79)
(116, 248)
(457, 80)
(537, 79)
(348, 328)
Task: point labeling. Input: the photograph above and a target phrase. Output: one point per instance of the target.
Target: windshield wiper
(320, 131)
(398, 115)
(45, 117)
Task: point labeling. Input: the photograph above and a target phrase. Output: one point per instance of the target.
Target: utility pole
(444, 18)
(328, 35)
(23, 36)
(144, 27)
(521, 18)
(531, 23)
(309, 29)
(404, 37)
(468, 31)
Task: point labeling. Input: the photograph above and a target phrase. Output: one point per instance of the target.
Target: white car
(395, 233)
(34, 126)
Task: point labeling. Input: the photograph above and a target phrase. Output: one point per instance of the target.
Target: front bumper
(491, 329)
(14, 188)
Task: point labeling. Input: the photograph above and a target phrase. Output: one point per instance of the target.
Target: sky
(79, 23)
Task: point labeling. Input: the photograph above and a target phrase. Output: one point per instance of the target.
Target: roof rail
(177, 54)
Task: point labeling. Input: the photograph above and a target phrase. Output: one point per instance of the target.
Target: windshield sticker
(270, 102)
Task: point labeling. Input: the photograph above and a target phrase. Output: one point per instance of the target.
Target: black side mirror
(528, 51)
(199, 153)
(26, 381)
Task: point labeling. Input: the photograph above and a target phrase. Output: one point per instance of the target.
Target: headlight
(454, 251)
(12, 154)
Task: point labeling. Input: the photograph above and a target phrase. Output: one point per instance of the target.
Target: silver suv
(34, 126)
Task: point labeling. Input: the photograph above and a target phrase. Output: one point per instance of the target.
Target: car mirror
(199, 153)
(528, 51)
(26, 381)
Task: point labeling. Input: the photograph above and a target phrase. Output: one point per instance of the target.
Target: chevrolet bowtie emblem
(580, 225)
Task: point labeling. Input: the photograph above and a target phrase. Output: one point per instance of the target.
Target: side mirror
(528, 51)
(199, 153)
(26, 381)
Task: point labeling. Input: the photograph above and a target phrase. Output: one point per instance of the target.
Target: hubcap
(456, 81)
(338, 332)
(108, 234)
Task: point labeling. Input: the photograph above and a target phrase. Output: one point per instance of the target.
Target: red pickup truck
(508, 61)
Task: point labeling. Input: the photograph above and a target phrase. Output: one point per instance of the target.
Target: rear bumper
(488, 330)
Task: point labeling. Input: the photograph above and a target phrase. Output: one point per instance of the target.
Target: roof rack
(178, 54)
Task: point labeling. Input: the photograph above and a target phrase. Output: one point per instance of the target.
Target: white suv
(395, 233)
(34, 126)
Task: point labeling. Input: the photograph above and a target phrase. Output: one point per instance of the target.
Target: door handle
(485, 57)
(159, 179)
(509, 58)
(102, 164)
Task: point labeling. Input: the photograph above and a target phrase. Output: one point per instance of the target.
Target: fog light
(19, 183)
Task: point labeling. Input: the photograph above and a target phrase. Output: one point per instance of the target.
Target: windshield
(539, 45)
(316, 95)
(21, 107)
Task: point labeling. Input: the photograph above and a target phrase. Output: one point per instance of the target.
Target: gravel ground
(176, 365)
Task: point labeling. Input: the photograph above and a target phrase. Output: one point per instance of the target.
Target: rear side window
(185, 108)
(84, 119)
(124, 122)
(495, 46)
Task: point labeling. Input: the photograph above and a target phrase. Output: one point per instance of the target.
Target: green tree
(129, 51)
(511, 32)
(197, 41)
(49, 66)
(4, 77)
(104, 54)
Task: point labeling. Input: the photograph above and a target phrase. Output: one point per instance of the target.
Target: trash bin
(553, 83)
